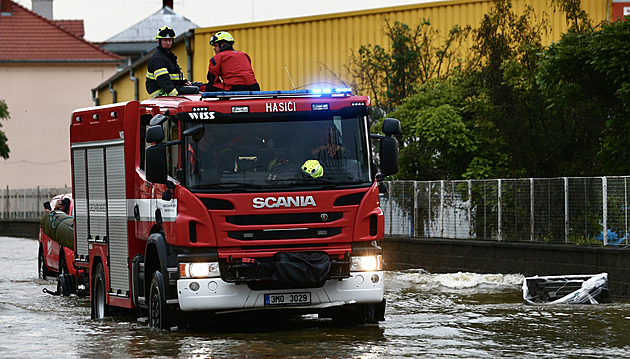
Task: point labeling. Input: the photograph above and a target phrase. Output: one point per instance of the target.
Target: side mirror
(159, 119)
(389, 156)
(193, 130)
(156, 163)
(391, 126)
(388, 150)
(155, 134)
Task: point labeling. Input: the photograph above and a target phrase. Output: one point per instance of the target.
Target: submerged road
(460, 315)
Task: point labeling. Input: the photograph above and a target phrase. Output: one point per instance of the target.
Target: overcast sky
(106, 18)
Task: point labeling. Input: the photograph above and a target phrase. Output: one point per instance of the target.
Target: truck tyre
(349, 315)
(99, 290)
(159, 316)
(43, 271)
(66, 285)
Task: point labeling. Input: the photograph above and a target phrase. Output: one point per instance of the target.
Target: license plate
(287, 299)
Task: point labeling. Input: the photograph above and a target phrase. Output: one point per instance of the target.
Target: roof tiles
(29, 37)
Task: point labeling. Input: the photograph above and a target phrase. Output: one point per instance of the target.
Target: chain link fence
(592, 211)
(589, 210)
(26, 203)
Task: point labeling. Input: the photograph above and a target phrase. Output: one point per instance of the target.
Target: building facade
(316, 50)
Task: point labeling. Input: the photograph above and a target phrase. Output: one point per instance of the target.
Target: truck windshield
(272, 155)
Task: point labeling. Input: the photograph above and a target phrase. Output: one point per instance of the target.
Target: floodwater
(462, 315)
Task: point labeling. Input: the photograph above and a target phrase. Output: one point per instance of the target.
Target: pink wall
(41, 98)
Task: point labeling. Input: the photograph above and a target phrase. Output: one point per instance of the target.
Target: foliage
(585, 78)
(513, 108)
(577, 18)
(4, 114)
(390, 75)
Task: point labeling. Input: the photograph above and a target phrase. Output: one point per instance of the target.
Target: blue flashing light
(317, 91)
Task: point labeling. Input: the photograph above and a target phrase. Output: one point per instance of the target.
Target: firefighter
(164, 76)
(229, 70)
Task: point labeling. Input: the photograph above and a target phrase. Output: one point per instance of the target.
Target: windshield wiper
(230, 185)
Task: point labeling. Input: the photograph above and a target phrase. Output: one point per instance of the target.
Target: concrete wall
(529, 259)
(23, 228)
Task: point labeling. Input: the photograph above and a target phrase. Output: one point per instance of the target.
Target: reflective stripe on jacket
(163, 74)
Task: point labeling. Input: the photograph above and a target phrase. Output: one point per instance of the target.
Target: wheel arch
(155, 259)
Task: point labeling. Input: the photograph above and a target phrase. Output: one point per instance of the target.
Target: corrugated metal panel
(80, 202)
(117, 219)
(96, 191)
(317, 49)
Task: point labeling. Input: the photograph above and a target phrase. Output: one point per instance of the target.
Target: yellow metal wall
(316, 49)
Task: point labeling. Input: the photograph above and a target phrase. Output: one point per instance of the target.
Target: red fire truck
(232, 202)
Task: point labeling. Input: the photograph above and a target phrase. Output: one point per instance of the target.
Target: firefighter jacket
(229, 68)
(163, 74)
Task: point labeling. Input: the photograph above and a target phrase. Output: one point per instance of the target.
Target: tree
(415, 56)
(507, 48)
(4, 114)
(585, 78)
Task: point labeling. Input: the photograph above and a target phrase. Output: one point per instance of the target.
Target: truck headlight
(366, 263)
(199, 270)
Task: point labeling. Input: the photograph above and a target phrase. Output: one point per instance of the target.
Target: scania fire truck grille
(293, 218)
(292, 233)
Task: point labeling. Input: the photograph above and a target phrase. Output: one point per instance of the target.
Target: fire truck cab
(228, 202)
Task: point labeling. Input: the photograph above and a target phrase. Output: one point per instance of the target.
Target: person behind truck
(164, 76)
(229, 70)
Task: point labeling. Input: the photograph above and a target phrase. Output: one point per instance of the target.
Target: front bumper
(216, 295)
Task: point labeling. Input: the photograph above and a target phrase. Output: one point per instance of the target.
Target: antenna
(288, 74)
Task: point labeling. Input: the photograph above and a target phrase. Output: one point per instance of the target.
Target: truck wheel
(159, 316)
(66, 285)
(349, 315)
(41, 265)
(99, 300)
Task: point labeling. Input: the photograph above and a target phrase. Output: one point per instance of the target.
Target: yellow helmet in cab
(313, 168)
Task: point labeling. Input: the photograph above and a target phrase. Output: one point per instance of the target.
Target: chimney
(5, 7)
(168, 3)
(43, 8)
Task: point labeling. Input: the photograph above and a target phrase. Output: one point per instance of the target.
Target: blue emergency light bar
(325, 92)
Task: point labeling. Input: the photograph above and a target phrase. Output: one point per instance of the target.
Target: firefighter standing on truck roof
(229, 70)
(164, 76)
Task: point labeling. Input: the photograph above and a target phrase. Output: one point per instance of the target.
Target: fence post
(625, 207)
(442, 209)
(470, 225)
(566, 210)
(24, 203)
(389, 202)
(2, 204)
(430, 211)
(415, 209)
(499, 200)
(531, 210)
(605, 209)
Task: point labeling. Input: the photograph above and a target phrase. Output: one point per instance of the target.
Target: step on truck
(232, 202)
